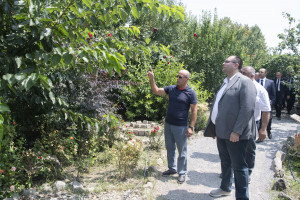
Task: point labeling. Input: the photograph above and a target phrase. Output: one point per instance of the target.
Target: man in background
(281, 91)
(291, 95)
(270, 87)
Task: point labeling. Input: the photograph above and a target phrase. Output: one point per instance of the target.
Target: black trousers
(290, 102)
(278, 103)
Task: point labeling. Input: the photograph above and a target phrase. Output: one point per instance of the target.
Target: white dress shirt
(263, 81)
(262, 102)
(214, 112)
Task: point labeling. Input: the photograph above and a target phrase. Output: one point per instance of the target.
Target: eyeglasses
(180, 77)
(227, 61)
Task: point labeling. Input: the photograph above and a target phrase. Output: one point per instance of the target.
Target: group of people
(241, 111)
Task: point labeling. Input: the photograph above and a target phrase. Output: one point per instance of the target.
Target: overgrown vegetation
(292, 169)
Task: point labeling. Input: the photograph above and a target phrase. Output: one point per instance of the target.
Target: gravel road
(204, 168)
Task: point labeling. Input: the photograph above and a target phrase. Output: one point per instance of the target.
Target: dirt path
(204, 168)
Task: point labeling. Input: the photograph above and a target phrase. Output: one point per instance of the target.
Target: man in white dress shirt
(262, 111)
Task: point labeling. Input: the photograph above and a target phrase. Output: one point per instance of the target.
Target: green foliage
(286, 64)
(126, 154)
(138, 98)
(286, 56)
(203, 45)
(290, 39)
(292, 169)
(202, 116)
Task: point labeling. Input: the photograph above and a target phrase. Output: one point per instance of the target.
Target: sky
(267, 14)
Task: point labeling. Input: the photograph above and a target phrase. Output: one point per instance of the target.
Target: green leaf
(63, 30)
(114, 18)
(10, 79)
(1, 134)
(7, 77)
(46, 20)
(136, 30)
(45, 33)
(87, 3)
(21, 16)
(44, 81)
(27, 83)
(135, 12)
(74, 9)
(56, 59)
(52, 97)
(123, 15)
(52, 9)
(148, 40)
(179, 15)
(18, 61)
(4, 108)
(67, 58)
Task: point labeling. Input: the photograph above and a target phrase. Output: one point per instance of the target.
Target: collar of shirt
(225, 81)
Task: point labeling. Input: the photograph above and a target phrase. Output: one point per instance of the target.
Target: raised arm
(154, 88)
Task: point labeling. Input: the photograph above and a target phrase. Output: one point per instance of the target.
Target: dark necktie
(262, 82)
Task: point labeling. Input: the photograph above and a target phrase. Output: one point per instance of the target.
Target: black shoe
(278, 118)
(269, 135)
(168, 173)
(258, 141)
(181, 179)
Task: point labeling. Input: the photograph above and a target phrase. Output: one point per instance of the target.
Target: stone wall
(141, 128)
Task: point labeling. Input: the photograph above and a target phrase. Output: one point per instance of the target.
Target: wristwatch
(191, 127)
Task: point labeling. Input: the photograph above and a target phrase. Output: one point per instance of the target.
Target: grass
(104, 176)
(292, 171)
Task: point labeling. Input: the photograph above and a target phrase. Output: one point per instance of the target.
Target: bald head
(249, 72)
(185, 72)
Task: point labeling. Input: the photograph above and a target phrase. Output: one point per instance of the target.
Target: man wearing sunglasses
(181, 99)
(232, 122)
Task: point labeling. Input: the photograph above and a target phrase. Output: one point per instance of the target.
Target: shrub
(202, 116)
(141, 103)
(127, 153)
(155, 138)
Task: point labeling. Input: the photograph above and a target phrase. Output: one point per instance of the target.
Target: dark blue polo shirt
(179, 104)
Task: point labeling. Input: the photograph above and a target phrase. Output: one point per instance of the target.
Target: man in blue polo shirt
(181, 99)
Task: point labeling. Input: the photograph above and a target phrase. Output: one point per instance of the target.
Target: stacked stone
(142, 128)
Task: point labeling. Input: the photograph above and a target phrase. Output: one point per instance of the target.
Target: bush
(140, 103)
(202, 116)
(127, 153)
(155, 138)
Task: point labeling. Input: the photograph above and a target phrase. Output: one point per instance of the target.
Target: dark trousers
(290, 102)
(250, 152)
(278, 103)
(233, 160)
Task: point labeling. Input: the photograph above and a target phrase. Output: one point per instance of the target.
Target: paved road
(204, 168)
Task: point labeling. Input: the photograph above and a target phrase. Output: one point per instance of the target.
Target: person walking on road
(291, 95)
(281, 91)
(176, 129)
(232, 122)
(261, 112)
(270, 87)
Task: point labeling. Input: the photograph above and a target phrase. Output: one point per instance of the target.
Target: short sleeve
(167, 89)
